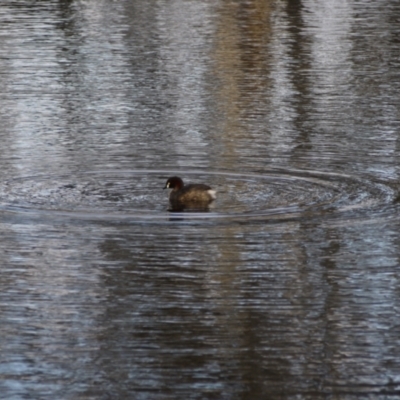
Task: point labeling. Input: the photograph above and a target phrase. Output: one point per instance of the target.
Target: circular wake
(139, 195)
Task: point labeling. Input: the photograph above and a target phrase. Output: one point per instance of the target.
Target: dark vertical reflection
(299, 63)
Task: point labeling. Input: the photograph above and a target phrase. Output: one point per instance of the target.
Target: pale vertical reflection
(101, 71)
(31, 78)
(185, 28)
(51, 288)
(283, 112)
(44, 78)
(329, 24)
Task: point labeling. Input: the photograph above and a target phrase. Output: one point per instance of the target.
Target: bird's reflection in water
(178, 211)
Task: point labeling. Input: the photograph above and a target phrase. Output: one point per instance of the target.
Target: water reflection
(287, 288)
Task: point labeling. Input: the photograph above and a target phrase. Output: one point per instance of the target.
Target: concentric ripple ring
(137, 195)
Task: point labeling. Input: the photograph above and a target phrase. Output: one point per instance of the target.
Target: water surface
(287, 287)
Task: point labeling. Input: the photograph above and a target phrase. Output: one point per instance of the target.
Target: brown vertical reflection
(240, 62)
(240, 65)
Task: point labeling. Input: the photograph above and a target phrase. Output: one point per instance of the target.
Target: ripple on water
(139, 196)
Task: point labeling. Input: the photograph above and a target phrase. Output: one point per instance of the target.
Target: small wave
(138, 195)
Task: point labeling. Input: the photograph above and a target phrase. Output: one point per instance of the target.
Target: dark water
(288, 288)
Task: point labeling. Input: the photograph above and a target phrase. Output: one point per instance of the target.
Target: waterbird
(192, 196)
